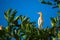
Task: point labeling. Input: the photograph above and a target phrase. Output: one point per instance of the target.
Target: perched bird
(40, 20)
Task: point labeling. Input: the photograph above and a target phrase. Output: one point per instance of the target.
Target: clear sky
(28, 8)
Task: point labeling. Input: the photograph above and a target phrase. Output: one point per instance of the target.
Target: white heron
(40, 20)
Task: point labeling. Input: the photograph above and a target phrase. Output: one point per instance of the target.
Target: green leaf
(8, 12)
(55, 7)
(58, 12)
(53, 38)
(16, 18)
(55, 0)
(23, 18)
(59, 35)
(56, 19)
(6, 17)
(49, 3)
(53, 24)
(43, 2)
(24, 36)
(12, 16)
(59, 5)
(53, 20)
(18, 32)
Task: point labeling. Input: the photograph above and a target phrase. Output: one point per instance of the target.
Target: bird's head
(40, 13)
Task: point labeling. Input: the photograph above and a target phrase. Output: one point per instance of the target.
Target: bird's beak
(38, 13)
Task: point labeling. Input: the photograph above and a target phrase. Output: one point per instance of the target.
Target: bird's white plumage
(40, 21)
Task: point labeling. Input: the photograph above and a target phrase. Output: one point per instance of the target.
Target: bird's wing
(39, 21)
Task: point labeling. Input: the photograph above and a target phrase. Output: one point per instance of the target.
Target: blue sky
(28, 8)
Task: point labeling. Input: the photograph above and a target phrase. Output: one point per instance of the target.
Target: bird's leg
(40, 27)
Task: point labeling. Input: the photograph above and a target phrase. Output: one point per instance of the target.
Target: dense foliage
(26, 29)
(20, 27)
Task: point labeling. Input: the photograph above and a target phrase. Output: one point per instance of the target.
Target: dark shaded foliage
(55, 5)
(26, 29)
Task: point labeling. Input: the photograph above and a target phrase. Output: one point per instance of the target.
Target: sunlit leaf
(24, 36)
(53, 20)
(56, 19)
(16, 18)
(59, 5)
(18, 32)
(7, 13)
(6, 17)
(59, 35)
(12, 16)
(53, 38)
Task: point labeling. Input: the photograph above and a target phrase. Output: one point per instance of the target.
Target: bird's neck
(40, 15)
